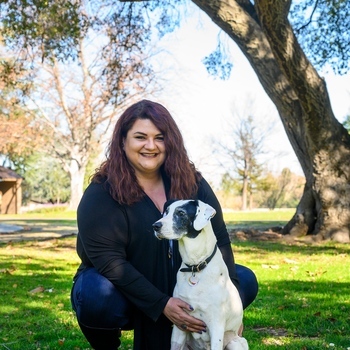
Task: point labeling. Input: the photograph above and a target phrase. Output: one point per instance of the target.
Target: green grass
(258, 218)
(259, 215)
(303, 302)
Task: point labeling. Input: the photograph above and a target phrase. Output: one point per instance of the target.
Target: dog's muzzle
(157, 227)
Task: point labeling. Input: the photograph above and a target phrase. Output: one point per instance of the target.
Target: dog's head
(183, 217)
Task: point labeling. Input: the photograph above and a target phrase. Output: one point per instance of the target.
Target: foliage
(296, 307)
(45, 180)
(20, 133)
(83, 75)
(270, 191)
(43, 24)
(346, 123)
(283, 190)
(323, 28)
(55, 26)
(229, 185)
(217, 63)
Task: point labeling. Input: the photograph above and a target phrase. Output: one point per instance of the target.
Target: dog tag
(193, 280)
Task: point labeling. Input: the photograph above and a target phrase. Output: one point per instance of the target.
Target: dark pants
(102, 310)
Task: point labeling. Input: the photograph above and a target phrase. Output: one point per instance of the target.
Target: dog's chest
(200, 287)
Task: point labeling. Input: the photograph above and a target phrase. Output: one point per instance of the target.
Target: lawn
(303, 302)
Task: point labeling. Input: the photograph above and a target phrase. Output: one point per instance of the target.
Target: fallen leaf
(61, 341)
(273, 267)
(7, 271)
(290, 261)
(37, 290)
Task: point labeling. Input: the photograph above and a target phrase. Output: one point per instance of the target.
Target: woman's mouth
(149, 155)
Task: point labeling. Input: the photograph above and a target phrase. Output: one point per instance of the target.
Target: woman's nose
(150, 144)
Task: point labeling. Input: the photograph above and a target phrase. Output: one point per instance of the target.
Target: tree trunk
(321, 143)
(77, 173)
(244, 193)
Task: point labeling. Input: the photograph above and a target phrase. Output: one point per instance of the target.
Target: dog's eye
(180, 212)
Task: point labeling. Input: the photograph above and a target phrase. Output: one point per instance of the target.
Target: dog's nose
(157, 226)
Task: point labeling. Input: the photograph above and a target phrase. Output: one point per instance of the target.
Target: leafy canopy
(323, 30)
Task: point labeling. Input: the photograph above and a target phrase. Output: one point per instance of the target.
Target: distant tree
(277, 190)
(84, 75)
(20, 133)
(242, 152)
(227, 184)
(45, 181)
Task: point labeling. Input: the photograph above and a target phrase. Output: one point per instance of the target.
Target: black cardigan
(119, 242)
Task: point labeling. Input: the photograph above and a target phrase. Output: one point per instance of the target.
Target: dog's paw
(238, 343)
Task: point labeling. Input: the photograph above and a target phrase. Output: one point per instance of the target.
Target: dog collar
(201, 266)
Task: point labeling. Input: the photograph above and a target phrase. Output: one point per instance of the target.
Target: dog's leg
(216, 332)
(178, 339)
(238, 343)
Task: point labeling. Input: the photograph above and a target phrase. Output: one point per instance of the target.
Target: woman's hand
(177, 311)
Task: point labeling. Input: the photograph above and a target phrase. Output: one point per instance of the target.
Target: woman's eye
(160, 138)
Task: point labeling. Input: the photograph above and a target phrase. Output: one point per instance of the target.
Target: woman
(127, 276)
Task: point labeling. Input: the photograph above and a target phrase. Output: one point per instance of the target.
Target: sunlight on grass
(259, 215)
(303, 296)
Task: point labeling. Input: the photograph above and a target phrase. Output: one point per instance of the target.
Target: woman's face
(144, 148)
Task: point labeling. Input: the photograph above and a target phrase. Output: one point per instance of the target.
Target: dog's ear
(204, 213)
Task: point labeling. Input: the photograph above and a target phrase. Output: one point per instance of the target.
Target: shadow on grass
(310, 313)
(297, 247)
(69, 222)
(263, 225)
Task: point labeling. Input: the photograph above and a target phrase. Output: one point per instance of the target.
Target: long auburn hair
(120, 175)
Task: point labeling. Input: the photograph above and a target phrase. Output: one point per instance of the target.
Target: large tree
(263, 31)
(266, 37)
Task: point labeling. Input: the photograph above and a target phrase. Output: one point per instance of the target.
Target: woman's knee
(98, 303)
(248, 285)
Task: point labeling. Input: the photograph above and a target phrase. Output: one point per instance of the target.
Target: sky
(203, 106)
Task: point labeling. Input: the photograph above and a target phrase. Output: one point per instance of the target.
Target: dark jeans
(102, 310)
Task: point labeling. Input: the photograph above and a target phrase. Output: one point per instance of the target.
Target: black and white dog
(203, 280)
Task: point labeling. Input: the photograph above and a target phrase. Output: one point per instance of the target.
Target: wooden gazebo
(10, 191)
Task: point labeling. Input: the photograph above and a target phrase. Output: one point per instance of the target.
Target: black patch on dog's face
(184, 217)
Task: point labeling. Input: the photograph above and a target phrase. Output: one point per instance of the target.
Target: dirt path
(37, 231)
